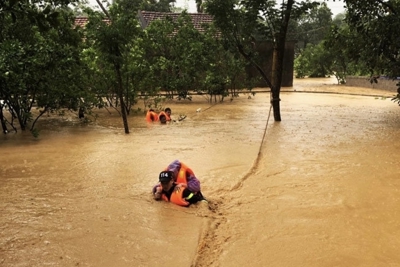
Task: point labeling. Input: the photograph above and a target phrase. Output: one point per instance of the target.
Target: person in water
(168, 190)
(166, 113)
(163, 119)
(183, 174)
(151, 115)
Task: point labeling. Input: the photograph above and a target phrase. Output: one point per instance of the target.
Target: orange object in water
(182, 174)
(177, 197)
(165, 114)
(151, 116)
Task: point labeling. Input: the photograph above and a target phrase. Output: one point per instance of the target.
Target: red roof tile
(198, 19)
(81, 21)
(146, 17)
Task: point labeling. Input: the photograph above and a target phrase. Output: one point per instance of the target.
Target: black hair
(167, 109)
(163, 119)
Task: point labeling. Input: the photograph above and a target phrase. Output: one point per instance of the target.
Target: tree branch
(104, 10)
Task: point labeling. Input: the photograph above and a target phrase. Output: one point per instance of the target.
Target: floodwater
(319, 188)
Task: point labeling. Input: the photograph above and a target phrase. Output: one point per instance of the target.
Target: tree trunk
(121, 97)
(277, 62)
(276, 79)
(2, 120)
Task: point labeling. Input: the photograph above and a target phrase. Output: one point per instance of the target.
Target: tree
(112, 34)
(184, 60)
(378, 23)
(311, 27)
(346, 52)
(40, 65)
(199, 6)
(157, 5)
(243, 22)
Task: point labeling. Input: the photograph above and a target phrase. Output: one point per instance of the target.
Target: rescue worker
(183, 174)
(151, 115)
(168, 190)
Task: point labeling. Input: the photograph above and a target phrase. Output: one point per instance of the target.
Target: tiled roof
(198, 19)
(146, 17)
(81, 21)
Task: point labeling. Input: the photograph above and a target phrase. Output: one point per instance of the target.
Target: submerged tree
(40, 64)
(378, 23)
(112, 34)
(243, 22)
(310, 27)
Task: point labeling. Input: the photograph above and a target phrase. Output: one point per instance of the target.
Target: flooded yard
(319, 188)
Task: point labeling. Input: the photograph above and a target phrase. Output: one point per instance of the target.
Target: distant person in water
(163, 119)
(166, 113)
(151, 115)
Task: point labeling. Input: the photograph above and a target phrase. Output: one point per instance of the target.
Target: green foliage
(49, 65)
(112, 49)
(315, 61)
(377, 24)
(157, 5)
(396, 99)
(340, 53)
(310, 27)
(367, 43)
(39, 59)
(182, 60)
(244, 22)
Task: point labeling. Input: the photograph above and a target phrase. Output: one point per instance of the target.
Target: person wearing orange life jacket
(151, 115)
(168, 190)
(183, 174)
(166, 113)
(163, 119)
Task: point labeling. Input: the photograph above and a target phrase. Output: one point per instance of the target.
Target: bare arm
(157, 192)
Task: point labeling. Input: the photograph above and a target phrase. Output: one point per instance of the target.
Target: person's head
(168, 111)
(163, 119)
(166, 179)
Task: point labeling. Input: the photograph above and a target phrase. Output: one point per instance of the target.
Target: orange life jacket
(151, 116)
(167, 117)
(177, 197)
(182, 174)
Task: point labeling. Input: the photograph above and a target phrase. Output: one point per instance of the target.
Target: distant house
(82, 21)
(198, 20)
(264, 48)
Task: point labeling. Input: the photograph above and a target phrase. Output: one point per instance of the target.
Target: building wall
(363, 81)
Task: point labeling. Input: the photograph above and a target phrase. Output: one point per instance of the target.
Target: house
(198, 20)
(81, 21)
(264, 48)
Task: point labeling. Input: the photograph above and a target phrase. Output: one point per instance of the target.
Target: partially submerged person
(166, 113)
(168, 190)
(163, 119)
(183, 174)
(151, 115)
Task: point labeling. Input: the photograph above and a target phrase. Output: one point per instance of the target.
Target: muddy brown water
(320, 188)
